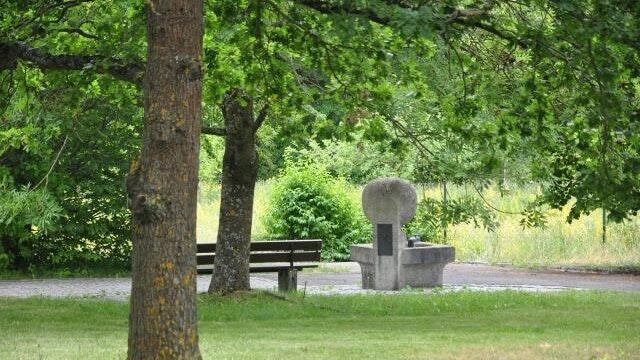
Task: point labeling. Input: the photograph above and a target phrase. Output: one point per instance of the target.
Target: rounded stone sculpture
(387, 197)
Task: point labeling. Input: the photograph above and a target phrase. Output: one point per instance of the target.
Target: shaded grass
(505, 325)
(560, 244)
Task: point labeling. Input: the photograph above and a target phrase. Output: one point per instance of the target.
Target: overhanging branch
(471, 18)
(344, 8)
(11, 53)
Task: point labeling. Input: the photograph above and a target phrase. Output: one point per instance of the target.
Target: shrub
(307, 203)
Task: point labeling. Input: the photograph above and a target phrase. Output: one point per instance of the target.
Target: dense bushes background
(66, 143)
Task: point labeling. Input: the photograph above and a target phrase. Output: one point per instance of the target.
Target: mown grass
(465, 325)
(578, 244)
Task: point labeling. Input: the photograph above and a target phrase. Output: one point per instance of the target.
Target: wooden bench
(282, 256)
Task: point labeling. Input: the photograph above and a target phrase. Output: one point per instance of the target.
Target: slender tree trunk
(239, 173)
(162, 187)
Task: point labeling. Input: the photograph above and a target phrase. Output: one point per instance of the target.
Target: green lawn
(465, 325)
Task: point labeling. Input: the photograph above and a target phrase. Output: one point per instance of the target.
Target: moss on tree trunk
(162, 187)
(239, 173)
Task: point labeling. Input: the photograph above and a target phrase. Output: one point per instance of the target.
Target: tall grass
(209, 210)
(558, 244)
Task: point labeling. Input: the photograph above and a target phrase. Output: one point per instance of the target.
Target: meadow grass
(578, 244)
(464, 325)
(209, 210)
(559, 243)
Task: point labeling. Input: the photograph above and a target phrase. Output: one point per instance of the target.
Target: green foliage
(432, 216)
(4, 260)
(67, 137)
(308, 203)
(533, 216)
(562, 82)
(357, 161)
(25, 217)
(211, 159)
(67, 141)
(297, 61)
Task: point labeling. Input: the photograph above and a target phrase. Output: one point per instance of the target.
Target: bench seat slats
(275, 245)
(269, 257)
(259, 269)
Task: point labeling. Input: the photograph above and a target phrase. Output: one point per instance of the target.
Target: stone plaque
(385, 239)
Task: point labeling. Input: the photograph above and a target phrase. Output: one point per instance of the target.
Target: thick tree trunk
(162, 187)
(239, 172)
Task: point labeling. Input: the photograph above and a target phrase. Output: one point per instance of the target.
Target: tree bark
(162, 187)
(239, 174)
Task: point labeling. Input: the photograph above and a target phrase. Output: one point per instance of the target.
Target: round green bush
(307, 203)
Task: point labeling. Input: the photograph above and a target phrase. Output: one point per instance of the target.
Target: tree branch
(492, 30)
(79, 32)
(471, 18)
(45, 179)
(344, 8)
(10, 53)
(217, 131)
(262, 115)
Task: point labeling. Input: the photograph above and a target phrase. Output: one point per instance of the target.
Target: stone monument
(389, 263)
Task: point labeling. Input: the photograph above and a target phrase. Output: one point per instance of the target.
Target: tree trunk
(239, 173)
(162, 187)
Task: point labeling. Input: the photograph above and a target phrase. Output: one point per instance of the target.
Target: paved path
(345, 279)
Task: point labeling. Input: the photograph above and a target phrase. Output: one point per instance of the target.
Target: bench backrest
(289, 251)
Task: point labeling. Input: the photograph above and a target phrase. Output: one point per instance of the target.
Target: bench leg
(287, 280)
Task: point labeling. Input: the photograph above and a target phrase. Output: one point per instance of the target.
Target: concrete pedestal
(287, 280)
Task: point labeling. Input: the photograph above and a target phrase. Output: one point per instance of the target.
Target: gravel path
(344, 278)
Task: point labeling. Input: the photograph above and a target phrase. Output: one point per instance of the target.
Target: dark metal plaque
(385, 239)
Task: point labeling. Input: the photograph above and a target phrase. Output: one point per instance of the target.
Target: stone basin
(420, 266)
